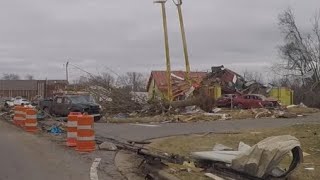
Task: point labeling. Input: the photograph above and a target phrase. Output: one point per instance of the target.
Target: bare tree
(29, 77)
(105, 78)
(253, 76)
(133, 80)
(300, 52)
(300, 55)
(10, 77)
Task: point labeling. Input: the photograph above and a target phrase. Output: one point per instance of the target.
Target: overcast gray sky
(39, 36)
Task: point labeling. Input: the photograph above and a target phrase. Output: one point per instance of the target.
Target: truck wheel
(97, 118)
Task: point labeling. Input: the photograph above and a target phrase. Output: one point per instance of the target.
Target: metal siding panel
(41, 89)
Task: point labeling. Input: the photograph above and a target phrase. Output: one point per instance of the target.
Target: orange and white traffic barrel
(16, 116)
(72, 129)
(19, 115)
(24, 110)
(30, 124)
(85, 134)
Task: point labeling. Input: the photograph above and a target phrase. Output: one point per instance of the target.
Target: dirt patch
(303, 110)
(307, 134)
(128, 163)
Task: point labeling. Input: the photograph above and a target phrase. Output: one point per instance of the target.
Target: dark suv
(63, 105)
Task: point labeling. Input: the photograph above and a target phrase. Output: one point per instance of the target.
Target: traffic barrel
(19, 115)
(72, 128)
(85, 134)
(30, 124)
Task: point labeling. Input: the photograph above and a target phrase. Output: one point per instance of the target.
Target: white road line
(146, 125)
(93, 169)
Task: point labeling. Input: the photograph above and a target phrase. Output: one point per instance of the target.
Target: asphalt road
(143, 132)
(25, 156)
(33, 157)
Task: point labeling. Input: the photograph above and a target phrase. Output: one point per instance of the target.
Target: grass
(309, 136)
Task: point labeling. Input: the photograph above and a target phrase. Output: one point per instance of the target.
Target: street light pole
(178, 3)
(166, 45)
(67, 73)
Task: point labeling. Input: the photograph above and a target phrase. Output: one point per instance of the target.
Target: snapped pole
(167, 51)
(67, 73)
(184, 40)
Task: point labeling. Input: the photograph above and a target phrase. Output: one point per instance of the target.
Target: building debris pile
(195, 114)
(233, 83)
(264, 160)
(190, 94)
(120, 100)
(261, 161)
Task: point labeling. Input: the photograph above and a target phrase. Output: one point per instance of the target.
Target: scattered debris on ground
(193, 114)
(226, 144)
(108, 146)
(261, 160)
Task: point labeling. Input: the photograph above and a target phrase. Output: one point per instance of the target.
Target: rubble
(221, 147)
(108, 146)
(212, 176)
(233, 83)
(260, 160)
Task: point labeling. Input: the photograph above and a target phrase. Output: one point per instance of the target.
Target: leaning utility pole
(178, 3)
(166, 45)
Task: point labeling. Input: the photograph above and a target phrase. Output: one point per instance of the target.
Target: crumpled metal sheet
(262, 159)
(265, 156)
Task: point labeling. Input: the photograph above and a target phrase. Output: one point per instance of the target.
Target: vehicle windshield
(261, 97)
(82, 99)
(89, 98)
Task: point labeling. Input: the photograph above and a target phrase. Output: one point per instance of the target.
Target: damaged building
(212, 84)
(31, 88)
(158, 85)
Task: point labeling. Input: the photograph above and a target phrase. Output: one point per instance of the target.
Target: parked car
(254, 101)
(18, 101)
(225, 100)
(63, 105)
(8, 103)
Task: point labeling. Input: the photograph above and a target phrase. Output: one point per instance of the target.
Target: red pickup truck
(254, 101)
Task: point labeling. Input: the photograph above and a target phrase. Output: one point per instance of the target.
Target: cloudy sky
(38, 36)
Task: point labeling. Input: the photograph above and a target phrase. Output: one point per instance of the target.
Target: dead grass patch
(309, 136)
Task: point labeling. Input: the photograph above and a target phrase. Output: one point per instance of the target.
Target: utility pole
(178, 3)
(67, 73)
(166, 45)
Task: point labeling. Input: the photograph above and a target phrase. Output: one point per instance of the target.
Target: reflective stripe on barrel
(72, 135)
(31, 116)
(72, 123)
(85, 127)
(90, 138)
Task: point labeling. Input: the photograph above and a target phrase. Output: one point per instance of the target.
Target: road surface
(143, 132)
(32, 157)
(25, 156)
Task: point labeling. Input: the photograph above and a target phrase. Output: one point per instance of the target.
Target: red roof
(160, 77)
